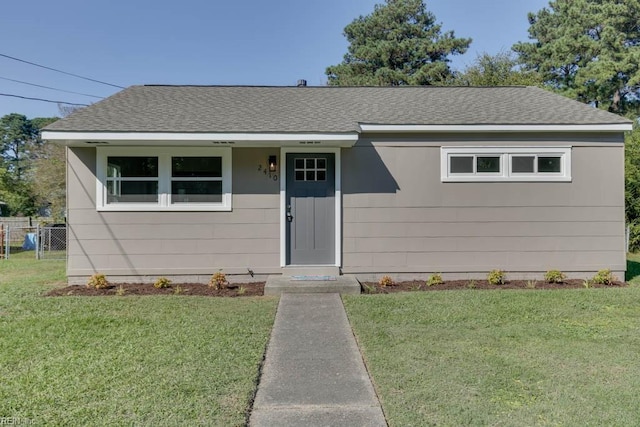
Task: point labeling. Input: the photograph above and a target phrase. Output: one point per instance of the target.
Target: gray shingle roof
(324, 109)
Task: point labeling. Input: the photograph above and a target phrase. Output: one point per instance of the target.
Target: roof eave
(605, 127)
(69, 138)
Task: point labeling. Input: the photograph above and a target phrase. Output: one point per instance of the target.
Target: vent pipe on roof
(302, 83)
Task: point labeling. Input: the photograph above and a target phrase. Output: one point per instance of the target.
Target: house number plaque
(265, 171)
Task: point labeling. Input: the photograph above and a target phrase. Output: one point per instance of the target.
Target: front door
(310, 209)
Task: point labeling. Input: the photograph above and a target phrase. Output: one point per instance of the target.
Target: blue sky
(250, 42)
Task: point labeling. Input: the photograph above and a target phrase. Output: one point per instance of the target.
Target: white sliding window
(465, 164)
(163, 179)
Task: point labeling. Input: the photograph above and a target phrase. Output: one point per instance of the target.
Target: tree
(18, 195)
(498, 70)
(588, 50)
(632, 186)
(20, 148)
(400, 43)
(49, 169)
(49, 173)
(18, 137)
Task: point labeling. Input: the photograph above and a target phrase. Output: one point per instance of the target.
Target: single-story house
(182, 181)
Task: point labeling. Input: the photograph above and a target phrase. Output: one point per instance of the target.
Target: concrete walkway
(313, 373)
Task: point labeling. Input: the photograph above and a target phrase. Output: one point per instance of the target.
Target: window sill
(123, 207)
(506, 179)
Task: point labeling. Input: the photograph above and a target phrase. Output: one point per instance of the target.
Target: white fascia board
(169, 138)
(621, 127)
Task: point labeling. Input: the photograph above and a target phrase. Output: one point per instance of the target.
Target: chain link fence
(48, 241)
(52, 241)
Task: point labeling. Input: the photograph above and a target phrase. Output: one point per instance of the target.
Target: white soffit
(202, 139)
(619, 127)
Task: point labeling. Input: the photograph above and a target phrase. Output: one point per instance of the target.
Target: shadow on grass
(633, 270)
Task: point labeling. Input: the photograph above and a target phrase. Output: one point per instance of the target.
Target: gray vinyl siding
(175, 243)
(398, 217)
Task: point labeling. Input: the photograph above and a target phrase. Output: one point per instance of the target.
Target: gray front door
(310, 204)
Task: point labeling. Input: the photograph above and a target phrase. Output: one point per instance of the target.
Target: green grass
(169, 360)
(516, 358)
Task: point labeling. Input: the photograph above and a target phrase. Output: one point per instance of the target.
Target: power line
(49, 87)
(43, 100)
(60, 71)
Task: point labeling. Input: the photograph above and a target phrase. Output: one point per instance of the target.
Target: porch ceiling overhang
(86, 139)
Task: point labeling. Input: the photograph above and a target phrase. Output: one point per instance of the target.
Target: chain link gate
(52, 241)
(47, 241)
(17, 239)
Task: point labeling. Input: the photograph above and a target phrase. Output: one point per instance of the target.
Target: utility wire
(43, 100)
(49, 87)
(60, 71)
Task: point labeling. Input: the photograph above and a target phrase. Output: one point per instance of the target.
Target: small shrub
(218, 280)
(162, 282)
(415, 286)
(178, 290)
(98, 281)
(368, 289)
(604, 277)
(586, 283)
(496, 277)
(435, 279)
(121, 291)
(472, 284)
(554, 276)
(386, 281)
(242, 290)
(531, 284)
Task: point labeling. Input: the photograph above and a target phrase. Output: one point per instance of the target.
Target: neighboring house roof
(260, 109)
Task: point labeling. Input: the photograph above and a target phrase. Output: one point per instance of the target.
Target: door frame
(283, 198)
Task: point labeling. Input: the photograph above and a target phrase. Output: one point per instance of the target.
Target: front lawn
(167, 360)
(517, 358)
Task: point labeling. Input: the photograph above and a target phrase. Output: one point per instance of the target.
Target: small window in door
(310, 169)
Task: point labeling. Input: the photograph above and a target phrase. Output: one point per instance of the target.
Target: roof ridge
(332, 87)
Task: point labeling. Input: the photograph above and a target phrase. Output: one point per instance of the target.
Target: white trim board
(380, 128)
(338, 198)
(225, 139)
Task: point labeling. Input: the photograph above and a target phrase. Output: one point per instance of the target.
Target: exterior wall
(126, 245)
(400, 218)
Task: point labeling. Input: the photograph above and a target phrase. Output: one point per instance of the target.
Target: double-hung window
(163, 179)
(196, 179)
(464, 164)
(132, 179)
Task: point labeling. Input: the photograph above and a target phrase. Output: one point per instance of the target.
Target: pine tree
(400, 43)
(588, 50)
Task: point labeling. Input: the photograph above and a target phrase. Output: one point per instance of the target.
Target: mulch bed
(257, 289)
(417, 285)
(233, 290)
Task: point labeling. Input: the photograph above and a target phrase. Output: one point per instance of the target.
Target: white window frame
(164, 155)
(506, 154)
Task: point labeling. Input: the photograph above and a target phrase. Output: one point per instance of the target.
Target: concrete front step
(310, 270)
(277, 285)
